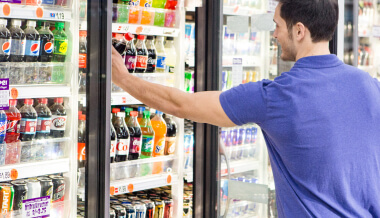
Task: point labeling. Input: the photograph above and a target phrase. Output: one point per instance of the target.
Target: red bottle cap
(115, 110)
(43, 100)
(134, 113)
(129, 36)
(83, 33)
(28, 101)
(82, 117)
(79, 113)
(13, 102)
(58, 100)
(141, 37)
(113, 35)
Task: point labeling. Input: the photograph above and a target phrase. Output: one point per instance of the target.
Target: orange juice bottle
(159, 127)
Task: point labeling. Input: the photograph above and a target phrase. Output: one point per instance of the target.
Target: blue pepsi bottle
(5, 41)
(3, 125)
(32, 44)
(46, 43)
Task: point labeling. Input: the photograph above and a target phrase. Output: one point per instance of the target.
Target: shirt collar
(320, 61)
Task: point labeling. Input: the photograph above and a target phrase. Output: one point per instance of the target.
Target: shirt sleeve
(246, 103)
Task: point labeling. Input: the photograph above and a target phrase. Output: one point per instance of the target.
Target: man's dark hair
(319, 16)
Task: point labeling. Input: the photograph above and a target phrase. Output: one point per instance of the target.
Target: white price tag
(5, 175)
(36, 207)
(237, 71)
(4, 95)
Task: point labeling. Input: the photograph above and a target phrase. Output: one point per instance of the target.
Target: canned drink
(186, 206)
(168, 211)
(34, 188)
(6, 197)
(112, 213)
(133, 198)
(46, 187)
(58, 188)
(113, 201)
(149, 206)
(159, 209)
(125, 202)
(130, 211)
(119, 211)
(140, 210)
(20, 194)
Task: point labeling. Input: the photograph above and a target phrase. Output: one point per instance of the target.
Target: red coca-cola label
(141, 62)
(113, 149)
(83, 61)
(81, 151)
(12, 126)
(122, 147)
(28, 126)
(58, 122)
(43, 124)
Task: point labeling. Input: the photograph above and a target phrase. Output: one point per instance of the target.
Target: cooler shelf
(247, 61)
(144, 30)
(40, 91)
(240, 10)
(54, 13)
(240, 166)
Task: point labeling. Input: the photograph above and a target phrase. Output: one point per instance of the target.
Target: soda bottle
(171, 135)
(142, 55)
(159, 127)
(58, 119)
(60, 43)
(3, 126)
(113, 143)
(46, 43)
(141, 113)
(14, 117)
(159, 3)
(147, 136)
(43, 119)
(17, 41)
(171, 57)
(136, 137)
(152, 55)
(32, 44)
(5, 41)
(118, 43)
(123, 138)
(28, 121)
(171, 4)
(82, 141)
(123, 11)
(130, 53)
(128, 111)
(161, 55)
(82, 60)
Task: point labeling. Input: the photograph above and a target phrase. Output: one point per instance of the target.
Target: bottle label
(147, 3)
(83, 61)
(18, 47)
(12, 126)
(5, 46)
(58, 122)
(151, 66)
(159, 146)
(28, 126)
(60, 46)
(170, 145)
(32, 47)
(81, 151)
(161, 62)
(241, 137)
(135, 146)
(141, 62)
(130, 62)
(134, 2)
(113, 148)
(147, 144)
(47, 47)
(122, 146)
(248, 135)
(43, 124)
(3, 127)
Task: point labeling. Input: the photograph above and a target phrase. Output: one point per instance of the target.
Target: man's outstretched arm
(202, 107)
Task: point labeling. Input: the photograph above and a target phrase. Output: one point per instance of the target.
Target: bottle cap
(46, 24)
(58, 100)
(12, 102)
(128, 111)
(141, 37)
(150, 37)
(113, 35)
(121, 114)
(16, 22)
(43, 100)
(159, 112)
(80, 113)
(31, 23)
(146, 113)
(3, 21)
(123, 108)
(83, 33)
(60, 24)
(141, 108)
(169, 38)
(82, 117)
(134, 113)
(28, 101)
(115, 110)
(129, 36)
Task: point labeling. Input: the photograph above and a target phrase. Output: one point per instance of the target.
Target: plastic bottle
(146, 3)
(82, 60)
(58, 119)
(113, 144)
(123, 138)
(159, 127)
(130, 52)
(43, 119)
(123, 11)
(3, 126)
(161, 55)
(118, 43)
(171, 55)
(13, 117)
(5, 41)
(82, 141)
(171, 4)
(28, 123)
(141, 113)
(142, 55)
(60, 43)
(147, 136)
(136, 137)
(46, 43)
(17, 41)
(152, 55)
(128, 111)
(32, 44)
(171, 135)
(159, 3)
(39, 25)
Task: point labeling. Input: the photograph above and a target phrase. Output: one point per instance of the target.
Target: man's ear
(299, 31)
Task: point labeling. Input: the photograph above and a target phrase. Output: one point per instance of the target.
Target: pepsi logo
(35, 48)
(48, 47)
(6, 47)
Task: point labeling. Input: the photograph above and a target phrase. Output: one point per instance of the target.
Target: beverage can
(20, 194)
(168, 212)
(119, 211)
(58, 188)
(149, 208)
(34, 188)
(140, 210)
(112, 213)
(130, 211)
(6, 197)
(159, 209)
(46, 187)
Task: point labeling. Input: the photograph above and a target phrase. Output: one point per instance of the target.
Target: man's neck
(313, 49)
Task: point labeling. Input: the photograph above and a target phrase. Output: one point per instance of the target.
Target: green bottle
(123, 11)
(127, 114)
(59, 54)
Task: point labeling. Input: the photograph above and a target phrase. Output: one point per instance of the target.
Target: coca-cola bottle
(82, 141)
(136, 137)
(58, 119)
(28, 121)
(113, 143)
(142, 55)
(130, 53)
(43, 119)
(152, 55)
(123, 140)
(14, 117)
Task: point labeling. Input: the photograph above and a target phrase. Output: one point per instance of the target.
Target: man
(320, 120)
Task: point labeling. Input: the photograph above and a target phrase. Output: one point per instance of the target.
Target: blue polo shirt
(321, 124)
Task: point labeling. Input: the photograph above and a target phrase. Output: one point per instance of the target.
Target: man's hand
(119, 71)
